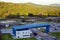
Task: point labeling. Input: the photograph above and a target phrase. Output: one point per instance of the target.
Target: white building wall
(23, 34)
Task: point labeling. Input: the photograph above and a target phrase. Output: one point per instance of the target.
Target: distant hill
(25, 8)
(55, 4)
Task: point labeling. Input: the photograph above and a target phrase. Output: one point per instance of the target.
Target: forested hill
(25, 8)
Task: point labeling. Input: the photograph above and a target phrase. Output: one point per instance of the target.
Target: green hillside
(25, 8)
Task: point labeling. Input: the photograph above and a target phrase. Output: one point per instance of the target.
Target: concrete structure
(8, 23)
(52, 19)
(24, 31)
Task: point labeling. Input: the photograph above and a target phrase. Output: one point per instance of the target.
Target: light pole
(0, 34)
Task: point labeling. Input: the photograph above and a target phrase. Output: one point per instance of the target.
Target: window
(25, 35)
(18, 33)
(23, 32)
(18, 36)
(28, 32)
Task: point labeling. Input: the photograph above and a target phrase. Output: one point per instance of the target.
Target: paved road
(47, 37)
(38, 37)
(55, 27)
(6, 31)
(43, 35)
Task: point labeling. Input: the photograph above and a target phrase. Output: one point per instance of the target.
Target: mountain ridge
(55, 4)
(25, 8)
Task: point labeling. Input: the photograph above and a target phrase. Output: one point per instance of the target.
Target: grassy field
(56, 34)
(9, 27)
(9, 37)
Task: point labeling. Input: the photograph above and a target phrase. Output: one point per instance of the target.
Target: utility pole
(0, 34)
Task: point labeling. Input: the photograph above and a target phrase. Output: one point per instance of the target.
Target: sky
(42, 2)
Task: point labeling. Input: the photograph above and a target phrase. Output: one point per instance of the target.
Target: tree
(59, 14)
(10, 16)
(30, 15)
(13, 16)
(18, 15)
(41, 15)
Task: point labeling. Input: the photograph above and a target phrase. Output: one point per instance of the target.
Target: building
(52, 19)
(29, 19)
(8, 23)
(4, 25)
(24, 31)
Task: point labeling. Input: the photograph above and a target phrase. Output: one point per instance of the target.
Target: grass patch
(8, 27)
(26, 39)
(56, 34)
(6, 37)
(44, 22)
(9, 37)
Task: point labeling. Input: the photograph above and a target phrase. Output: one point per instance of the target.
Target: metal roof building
(29, 26)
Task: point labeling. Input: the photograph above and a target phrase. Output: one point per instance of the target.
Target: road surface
(6, 31)
(43, 35)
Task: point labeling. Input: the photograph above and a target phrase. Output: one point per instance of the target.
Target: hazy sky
(43, 2)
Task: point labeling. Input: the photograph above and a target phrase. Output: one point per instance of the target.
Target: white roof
(8, 21)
